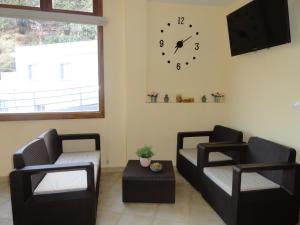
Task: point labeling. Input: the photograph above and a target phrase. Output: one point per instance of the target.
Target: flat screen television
(258, 25)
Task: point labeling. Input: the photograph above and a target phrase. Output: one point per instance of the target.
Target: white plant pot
(145, 162)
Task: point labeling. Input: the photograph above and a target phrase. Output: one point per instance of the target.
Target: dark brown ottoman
(142, 185)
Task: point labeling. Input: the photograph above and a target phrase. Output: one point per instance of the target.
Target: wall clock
(171, 49)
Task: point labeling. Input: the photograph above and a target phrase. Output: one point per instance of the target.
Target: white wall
(263, 85)
(202, 76)
(157, 124)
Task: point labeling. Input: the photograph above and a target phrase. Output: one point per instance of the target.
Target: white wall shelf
(185, 102)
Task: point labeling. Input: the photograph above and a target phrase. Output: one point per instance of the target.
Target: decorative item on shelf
(218, 97)
(204, 99)
(156, 167)
(166, 99)
(188, 100)
(145, 153)
(179, 98)
(153, 96)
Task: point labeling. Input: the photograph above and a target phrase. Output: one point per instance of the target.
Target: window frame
(46, 6)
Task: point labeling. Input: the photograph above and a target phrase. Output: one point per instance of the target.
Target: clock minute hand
(187, 39)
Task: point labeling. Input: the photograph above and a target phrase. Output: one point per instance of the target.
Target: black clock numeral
(178, 66)
(181, 20)
(161, 43)
(197, 46)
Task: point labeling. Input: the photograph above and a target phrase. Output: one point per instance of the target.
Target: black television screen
(259, 24)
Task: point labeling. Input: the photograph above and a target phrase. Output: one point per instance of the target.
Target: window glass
(48, 67)
(74, 5)
(32, 3)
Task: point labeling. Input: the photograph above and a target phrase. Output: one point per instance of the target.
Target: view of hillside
(81, 5)
(24, 32)
(34, 3)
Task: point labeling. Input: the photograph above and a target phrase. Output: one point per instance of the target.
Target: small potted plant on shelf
(153, 96)
(218, 96)
(145, 153)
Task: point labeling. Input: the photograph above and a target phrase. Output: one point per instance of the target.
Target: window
(31, 3)
(66, 71)
(75, 5)
(93, 7)
(50, 69)
(33, 73)
(3, 106)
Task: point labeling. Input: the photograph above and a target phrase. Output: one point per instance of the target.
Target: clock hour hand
(187, 39)
(176, 50)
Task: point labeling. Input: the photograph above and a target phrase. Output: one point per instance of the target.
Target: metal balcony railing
(73, 99)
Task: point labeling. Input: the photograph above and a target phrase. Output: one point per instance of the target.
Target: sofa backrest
(34, 153)
(53, 144)
(225, 134)
(264, 151)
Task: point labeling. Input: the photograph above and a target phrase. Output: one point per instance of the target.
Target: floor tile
(131, 219)
(141, 209)
(173, 212)
(166, 222)
(108, 218)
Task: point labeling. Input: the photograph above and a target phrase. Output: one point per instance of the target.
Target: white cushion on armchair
(223, 175)
(59, 182)
(191, 155)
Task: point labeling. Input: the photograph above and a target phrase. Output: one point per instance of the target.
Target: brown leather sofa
(189, 162)
(50, 187)
(260, 189)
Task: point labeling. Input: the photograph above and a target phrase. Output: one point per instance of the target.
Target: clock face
(179, 43)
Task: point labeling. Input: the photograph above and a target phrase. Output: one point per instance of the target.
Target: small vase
(166, 99)
(153, 99)
(145, 162)
(204, 99)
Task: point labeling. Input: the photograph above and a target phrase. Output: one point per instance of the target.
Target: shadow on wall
(294, 9)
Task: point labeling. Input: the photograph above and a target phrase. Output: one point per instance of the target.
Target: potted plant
(153, 96)
(145, 153)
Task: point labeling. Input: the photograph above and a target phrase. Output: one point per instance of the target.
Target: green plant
(145, 152)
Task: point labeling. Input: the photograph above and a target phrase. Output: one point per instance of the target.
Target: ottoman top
(134, 171)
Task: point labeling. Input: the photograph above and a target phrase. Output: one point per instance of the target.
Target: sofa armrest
(31, 170)
(205, 148)
(87, 136)
(222, 147)
(182, 135)
(250, 168)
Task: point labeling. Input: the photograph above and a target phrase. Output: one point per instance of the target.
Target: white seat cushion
(191, 155)
(222, 176)
(59, 182)
(79, 157)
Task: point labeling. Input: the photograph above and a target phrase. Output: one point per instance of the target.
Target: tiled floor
(190, 208)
